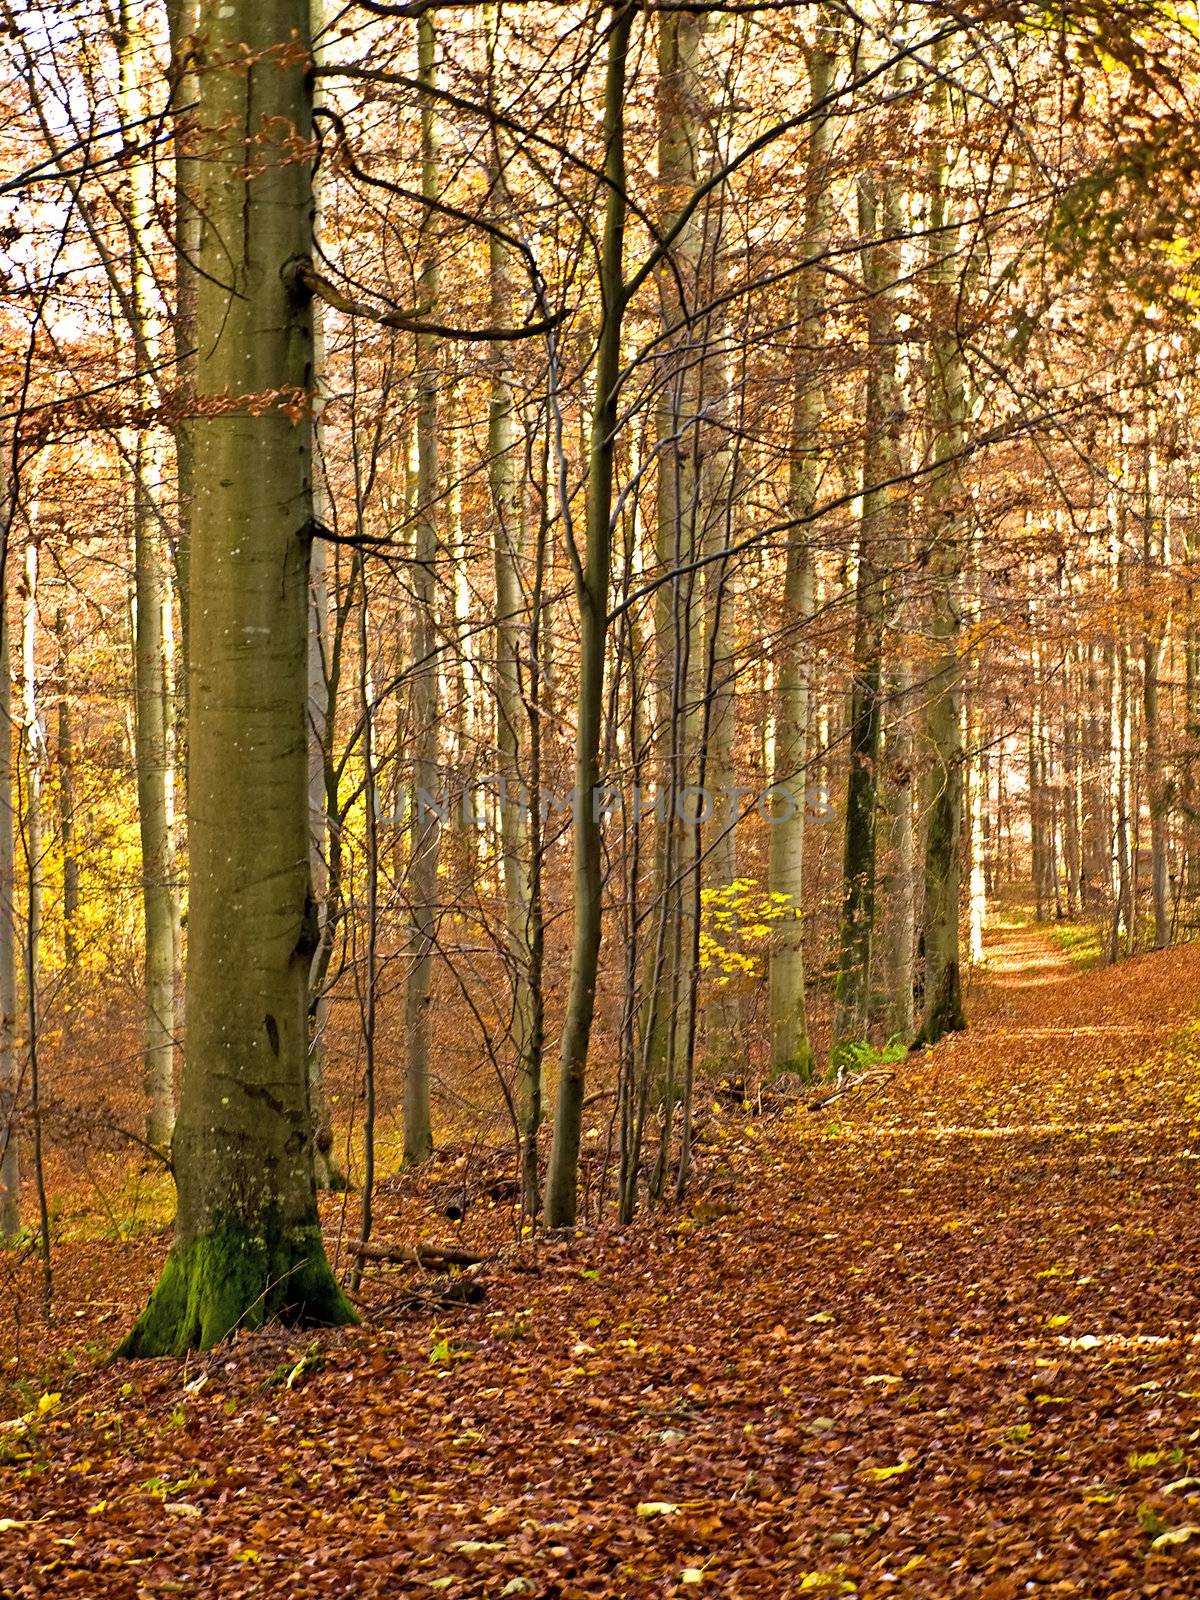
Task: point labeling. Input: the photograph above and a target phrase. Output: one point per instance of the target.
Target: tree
(522, 908)
(882, 513)
(152, 628)
(943, 1011)
(790, 1047)
(592, 568)
(10, 1149)
(247, 1235)
(423, 869)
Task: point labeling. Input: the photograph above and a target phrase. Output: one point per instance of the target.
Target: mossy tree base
(330, 1177)
(234, 1278)
(802, 1065)
(945, 1015)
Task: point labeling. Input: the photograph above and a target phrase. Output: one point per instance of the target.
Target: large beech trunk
(247, 1239)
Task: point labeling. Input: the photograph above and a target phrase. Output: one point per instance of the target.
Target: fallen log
(430, 1257)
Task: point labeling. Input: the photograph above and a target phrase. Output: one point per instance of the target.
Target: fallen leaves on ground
(943, 1343)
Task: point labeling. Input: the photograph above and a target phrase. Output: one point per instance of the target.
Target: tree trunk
(508, 524)
(1155, 555)
(790, 1047)
(247, 1242)
(943, 1012)
(10, 1149)
(898, 941)
(975, 743)
(152, 623)
(677, 655)
(329, 1174)
(1072, 786)
(33, 735)
(879, 215)
(182, 27)
(423, 868)
(65, 760)
(592, 573)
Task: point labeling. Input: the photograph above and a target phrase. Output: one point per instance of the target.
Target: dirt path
(936, 1343)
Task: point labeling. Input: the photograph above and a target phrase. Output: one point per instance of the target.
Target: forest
(599, 798)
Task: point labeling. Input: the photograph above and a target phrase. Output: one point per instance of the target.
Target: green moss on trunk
(944, 1013)
(803, 1065)
(235, 1278)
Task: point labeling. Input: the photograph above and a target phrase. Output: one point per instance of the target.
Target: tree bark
(677, 656)
(943, 1011)
(65, 761)
(521, 912)
(879, 215)
(423, 867)
(592, 573)
(10, 1148)
(790, 1047)
(329, 1174)
(182, 25)
(152, 623)
(247, 1241)
(1155, 554)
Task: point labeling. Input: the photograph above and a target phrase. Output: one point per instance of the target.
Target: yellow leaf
(1175, 1536)
(656, 1508)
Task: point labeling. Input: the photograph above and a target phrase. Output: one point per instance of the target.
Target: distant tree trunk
(720, 471)
(592, 571)
(369, 981)
(679, 531)
(65, 760)
(1191, 670)
(897, 950)
(1053, 790)
(1038, 846)
(943, 1011)
(152, 622)
(790, 1047)
(1119, 775)
(879, 219)
(34, 741)
(976, 822)
(461, 672)
(33, 734)
(423, 867)
(247, 1242)
(10, 1148)
(182, 28)
(1123, 919)
(328, 1173)
(1155, 556)
(1072, 787)
(1097, 885)
(508, 524)
(975, 740)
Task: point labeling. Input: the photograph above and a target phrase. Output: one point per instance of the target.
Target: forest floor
(940, 1340)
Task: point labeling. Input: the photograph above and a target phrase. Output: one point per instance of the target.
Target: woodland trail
(938, 1342)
